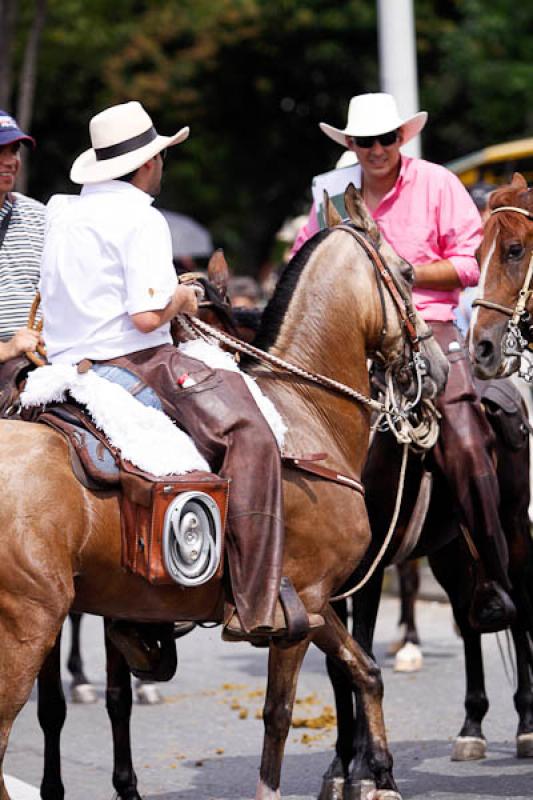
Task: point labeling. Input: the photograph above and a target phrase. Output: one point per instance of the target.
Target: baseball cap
(10, 131)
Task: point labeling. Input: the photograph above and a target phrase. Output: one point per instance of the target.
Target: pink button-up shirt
(427, 216)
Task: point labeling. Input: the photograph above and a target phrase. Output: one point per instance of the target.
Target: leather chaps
(217, 410)
(465, 455)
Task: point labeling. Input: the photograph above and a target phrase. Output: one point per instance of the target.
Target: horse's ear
(358, 212)
(518, 182)
(218, 272)
(330, 212)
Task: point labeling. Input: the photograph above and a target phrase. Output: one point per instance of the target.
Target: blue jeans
(128, 380)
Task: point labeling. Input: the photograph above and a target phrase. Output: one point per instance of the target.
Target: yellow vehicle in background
(496, 164)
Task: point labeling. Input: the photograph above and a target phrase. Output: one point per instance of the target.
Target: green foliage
(253, 78)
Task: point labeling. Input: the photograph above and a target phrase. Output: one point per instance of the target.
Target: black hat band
(127, 146)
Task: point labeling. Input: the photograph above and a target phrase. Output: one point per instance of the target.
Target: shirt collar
(117, 187)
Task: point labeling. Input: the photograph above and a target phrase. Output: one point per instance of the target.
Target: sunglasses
(385, 139)
(163, 154)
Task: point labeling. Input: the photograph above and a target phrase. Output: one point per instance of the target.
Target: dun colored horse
(501, 322)
(61, 542)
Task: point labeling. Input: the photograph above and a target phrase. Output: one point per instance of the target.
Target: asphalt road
(204, 741)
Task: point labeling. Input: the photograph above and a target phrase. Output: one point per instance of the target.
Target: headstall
(519, 333)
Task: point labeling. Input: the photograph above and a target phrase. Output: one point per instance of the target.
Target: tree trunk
(27, 81)
(8, 20)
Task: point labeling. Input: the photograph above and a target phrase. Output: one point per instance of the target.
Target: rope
(388, 537)
(422, 435)
(267, 358)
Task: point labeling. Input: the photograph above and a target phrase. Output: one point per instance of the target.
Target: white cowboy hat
(123, 138)
(373, 114)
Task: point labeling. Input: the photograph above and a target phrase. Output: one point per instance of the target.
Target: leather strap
(418, 517)
(295, 612)
(307, 463)
(403, 306)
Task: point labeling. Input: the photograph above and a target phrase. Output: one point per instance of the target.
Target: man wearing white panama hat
(109, 291)
(426, 214)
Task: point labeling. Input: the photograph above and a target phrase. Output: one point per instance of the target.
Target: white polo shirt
(107, 255)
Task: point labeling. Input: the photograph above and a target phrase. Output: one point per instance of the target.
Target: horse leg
(523, 698)
(365, 613)
(27, 634)
(81, 690)
(283, 668)
(334, 640)
(52, 711)
(409, 655)
(118, 704)
(337, 772)
(450, 567)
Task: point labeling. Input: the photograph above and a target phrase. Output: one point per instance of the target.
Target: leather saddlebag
(144, 503)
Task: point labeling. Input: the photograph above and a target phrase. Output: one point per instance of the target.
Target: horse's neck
(324, 331)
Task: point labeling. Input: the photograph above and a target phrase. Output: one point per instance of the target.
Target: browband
(523, 211)
(127, 146)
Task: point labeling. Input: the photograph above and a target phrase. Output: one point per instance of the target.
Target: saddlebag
(173, 528)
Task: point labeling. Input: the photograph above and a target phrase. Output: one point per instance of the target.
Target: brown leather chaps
(464, 454)
(217, 410)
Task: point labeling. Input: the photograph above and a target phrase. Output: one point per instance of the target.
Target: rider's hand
(25, 340)
(185, 299)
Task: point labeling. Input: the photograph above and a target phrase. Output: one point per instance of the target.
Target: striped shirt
(20, 261)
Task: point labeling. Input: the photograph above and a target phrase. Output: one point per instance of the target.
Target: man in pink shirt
(427, 215)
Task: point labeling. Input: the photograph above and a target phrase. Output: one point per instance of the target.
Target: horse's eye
(515, 251)
(407, 272)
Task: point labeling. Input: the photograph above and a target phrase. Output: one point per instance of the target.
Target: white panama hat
(123, 138)
(373, 114)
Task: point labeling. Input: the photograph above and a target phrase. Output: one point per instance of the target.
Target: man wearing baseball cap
(21, 243)
(428, 217)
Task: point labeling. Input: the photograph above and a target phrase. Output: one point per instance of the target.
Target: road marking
(19, 790)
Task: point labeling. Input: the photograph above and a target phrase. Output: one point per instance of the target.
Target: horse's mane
(275, 311)
(512, 196)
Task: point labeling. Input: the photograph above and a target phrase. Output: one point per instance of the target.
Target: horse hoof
(469, 748)
(524, 745)
(332, 789)
(83, 693)
(384, 794)
(409, 658)
(359, 790)
(147, 694)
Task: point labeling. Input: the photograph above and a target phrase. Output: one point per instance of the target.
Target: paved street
(205, 740)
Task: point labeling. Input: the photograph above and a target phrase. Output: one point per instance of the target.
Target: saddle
(172, 528)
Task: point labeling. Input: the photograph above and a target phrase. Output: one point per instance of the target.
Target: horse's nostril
(484, 351)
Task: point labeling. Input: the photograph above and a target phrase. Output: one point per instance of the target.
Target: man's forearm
(440, 275)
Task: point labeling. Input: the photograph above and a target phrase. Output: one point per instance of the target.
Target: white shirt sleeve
(149, 272)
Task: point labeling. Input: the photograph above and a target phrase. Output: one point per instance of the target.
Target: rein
(390, 410)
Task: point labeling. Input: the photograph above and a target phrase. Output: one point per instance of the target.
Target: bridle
(519, 332)
(397, 416)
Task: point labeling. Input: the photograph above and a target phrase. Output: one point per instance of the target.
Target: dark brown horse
(61, 542)
(442, 541)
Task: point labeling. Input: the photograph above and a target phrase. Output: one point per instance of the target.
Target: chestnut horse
(61, 542)
(501, 328)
